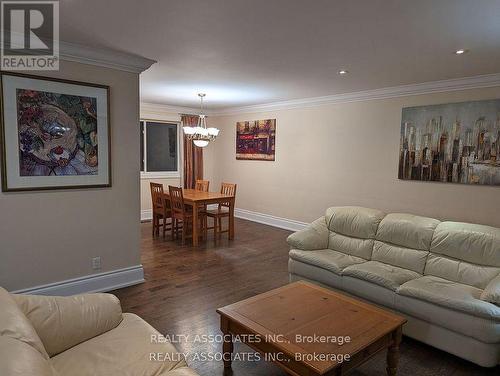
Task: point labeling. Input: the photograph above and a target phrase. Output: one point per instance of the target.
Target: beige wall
(146, 193)
(51, 236)
(344, 154)
(145, 189)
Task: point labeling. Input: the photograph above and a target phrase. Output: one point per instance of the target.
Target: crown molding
(102, 57)
(165, 109)
(475, 82)
(107, 58)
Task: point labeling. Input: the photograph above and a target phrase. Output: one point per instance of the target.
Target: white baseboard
(271, 220)
(267, 219)
(91, 283)
(146, 215)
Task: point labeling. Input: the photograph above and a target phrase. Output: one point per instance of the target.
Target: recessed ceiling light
(343, 72)
(461, 51)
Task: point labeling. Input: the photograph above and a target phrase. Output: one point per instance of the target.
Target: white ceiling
(245, 52)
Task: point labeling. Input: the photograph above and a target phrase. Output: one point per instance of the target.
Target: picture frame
(256, 140)
(455, 143)
(54, 133)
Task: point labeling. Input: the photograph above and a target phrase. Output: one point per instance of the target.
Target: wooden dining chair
(180, 214)
(161, 210)
(202, 185)
(222, 210)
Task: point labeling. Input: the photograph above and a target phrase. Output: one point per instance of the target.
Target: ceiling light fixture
(461, 51)
(343, 72)
(201, 135)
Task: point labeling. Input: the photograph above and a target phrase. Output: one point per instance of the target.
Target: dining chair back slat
(227, 189)
(202, 185)
(161, 209)
(176, 200)
(157, 195)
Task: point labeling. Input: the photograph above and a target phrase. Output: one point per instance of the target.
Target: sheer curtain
(193, 155)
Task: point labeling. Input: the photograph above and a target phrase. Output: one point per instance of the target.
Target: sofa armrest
(314, 236)
(18, 358)
(492, 292)
(63, 322)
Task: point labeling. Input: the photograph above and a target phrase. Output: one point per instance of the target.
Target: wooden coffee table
(309, 330)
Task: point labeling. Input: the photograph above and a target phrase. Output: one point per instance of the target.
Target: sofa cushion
(352, 229)
(125, 350)
(404, 240)
(14, 324)
(354, 221)
(407, 230)
(406, 258)
(63, 322)
(460, 271)
(369, 291)
(465, 253)
(452, 295)
(17, 358)
(300, 270)
(385, 275)
(475, 244)
(352, 246)
(326, 258)
(492, 292)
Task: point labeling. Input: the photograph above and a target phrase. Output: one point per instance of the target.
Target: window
(159, 149)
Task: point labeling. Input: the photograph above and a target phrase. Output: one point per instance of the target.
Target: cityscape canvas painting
(52, 134)
(255, 140)
(451, 143)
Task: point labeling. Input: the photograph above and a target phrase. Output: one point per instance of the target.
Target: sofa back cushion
(65, 321)
(465, 253)
(353, 229)
(17, 358)
(404, 240)
(14, 324)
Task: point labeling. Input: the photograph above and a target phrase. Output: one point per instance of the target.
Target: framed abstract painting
(256, 140)
(451, 143)
(54, 133)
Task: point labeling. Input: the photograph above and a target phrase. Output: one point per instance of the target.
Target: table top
(295, 313)
(200, 196)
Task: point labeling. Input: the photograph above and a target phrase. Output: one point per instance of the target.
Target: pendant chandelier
(201, 135)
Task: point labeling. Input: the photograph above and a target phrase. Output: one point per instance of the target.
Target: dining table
(197, 199)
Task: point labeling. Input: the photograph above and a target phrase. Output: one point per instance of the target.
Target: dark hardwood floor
(184, 286)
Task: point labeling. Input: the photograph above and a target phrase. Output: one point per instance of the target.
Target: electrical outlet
(96, 263)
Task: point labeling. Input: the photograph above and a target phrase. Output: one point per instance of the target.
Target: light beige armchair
(80, 335)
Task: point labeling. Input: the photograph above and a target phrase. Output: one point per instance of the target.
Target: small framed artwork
(256, 140)
(54, 133)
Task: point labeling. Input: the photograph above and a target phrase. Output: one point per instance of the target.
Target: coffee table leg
(393, 353)
(227, 344)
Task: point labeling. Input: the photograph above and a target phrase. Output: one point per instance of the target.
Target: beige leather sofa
(443, 276)
(83, 335)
